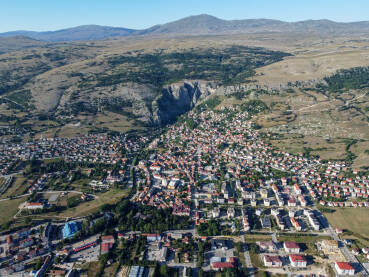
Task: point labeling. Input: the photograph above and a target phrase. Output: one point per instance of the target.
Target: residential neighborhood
(247, 206)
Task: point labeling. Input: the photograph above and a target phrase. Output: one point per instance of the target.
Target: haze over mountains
(197, 25)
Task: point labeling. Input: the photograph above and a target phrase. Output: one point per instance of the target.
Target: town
(208, 195)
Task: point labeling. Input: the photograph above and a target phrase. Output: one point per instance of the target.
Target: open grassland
(312, 123)
(86, 208)
(110, 270)
(315, 63)
(9, 208)
(84, 123)
(90, 269)
(18, 187)
(355, 220)
(361, 150)
(115, 122)
(309, 122)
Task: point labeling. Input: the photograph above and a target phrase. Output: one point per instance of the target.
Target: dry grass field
(85, 208)
(361, 150)
(110, 197)
(355, 220)
(315, 60)
(17, 188)
(11, 208)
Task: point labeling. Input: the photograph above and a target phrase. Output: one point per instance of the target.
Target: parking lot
(87, 255)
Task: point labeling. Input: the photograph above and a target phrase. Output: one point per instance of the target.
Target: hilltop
(199, 25)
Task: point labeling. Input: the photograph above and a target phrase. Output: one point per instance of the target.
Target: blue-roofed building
(136, 271)
(69, 229)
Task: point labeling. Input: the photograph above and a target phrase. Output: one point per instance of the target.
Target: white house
(34, 205)
(272, 261)
(291, 247)
(297, 261)
(215, 212)
(344, 268)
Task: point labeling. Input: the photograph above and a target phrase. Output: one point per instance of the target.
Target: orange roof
(344, 266)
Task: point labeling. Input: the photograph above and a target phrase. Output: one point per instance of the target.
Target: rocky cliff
(179, 98)
(142, 102)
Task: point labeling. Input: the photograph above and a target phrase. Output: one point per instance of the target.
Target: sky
(45, 15)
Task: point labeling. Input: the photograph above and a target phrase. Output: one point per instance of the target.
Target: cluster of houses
(276, 255)
(162, 190)
(94, 148)
(334, 189)
(192, 165)
(110, 179)
(220, 170)
(288, 253)
(21, 246)
(39, 184)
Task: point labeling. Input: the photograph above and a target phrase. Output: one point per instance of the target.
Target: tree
(57, 260)
(73, 201)
(164, 271)
(38, 264)
(156, 270)
(27, 220)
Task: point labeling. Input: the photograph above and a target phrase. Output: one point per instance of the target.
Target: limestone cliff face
(146, 103)
(179, 98)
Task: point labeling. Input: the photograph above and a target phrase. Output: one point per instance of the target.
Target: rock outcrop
(179, 98)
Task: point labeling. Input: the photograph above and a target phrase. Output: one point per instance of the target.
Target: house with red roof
(272, 261)
(34, 205)
(291, 247)
(222, 265)
(344, 268)
(298, 260)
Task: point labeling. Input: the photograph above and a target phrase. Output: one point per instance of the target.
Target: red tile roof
(222, 265)
(291, 244)
(297, 258)
(344, 266)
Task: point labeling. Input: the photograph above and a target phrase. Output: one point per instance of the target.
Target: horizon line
(196, 15)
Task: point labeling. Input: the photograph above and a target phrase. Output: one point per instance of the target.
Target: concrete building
(136, 271)
(215, 212)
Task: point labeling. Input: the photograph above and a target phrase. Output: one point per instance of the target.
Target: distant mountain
(85, 32)
(199, 25)
(14, 43)
(207, 24)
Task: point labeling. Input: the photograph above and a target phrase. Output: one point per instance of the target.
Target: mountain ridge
(202, 24)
